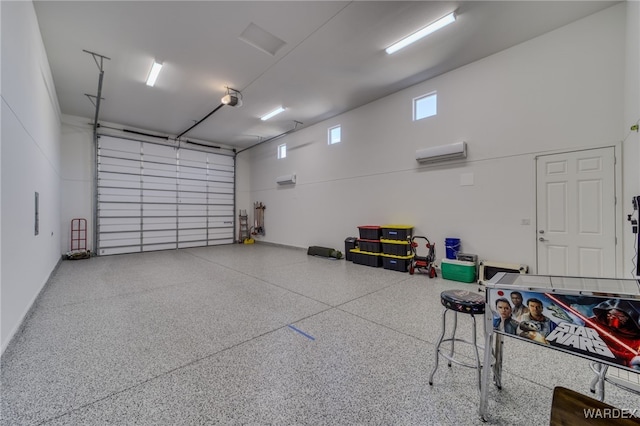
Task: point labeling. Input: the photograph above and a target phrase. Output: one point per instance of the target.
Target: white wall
(631, 144)
(30, 163)
(564, 90)
(243, 189)
(78, 159)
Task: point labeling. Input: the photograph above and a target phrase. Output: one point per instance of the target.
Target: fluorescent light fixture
(440, 23)
(153, 74)
(272, 114)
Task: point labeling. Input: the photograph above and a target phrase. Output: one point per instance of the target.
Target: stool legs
(475, 348)
(450, 357)
(444, 326)
(453, 336)
(598, 380)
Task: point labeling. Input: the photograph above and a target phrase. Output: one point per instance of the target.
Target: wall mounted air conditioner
(286, 179)
(442, 153)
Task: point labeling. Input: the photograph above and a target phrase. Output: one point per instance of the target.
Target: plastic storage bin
(369, 232)
(372, 246)
(458, 270)
(349, 244)
(366, 258)
(397, 232)
(396, 247)
(396, 263)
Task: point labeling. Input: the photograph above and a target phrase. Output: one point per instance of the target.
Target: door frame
(618, 215)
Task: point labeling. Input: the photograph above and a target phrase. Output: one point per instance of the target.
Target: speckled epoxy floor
(258, 335)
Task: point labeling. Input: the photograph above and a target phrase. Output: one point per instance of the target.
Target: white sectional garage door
(158, 197)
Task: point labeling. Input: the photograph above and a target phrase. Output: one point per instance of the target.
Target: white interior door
(576, 213)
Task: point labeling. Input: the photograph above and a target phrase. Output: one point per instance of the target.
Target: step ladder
(244, 227)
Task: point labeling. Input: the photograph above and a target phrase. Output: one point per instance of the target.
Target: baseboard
(267, 243)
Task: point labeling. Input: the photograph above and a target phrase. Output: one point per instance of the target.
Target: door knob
(541, 239)
(541, 231)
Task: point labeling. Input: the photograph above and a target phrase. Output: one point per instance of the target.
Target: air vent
(261, 39)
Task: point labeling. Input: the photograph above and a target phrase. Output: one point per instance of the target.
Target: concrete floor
(258, 334)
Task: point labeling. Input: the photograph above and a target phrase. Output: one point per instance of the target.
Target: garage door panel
(218, 211)
(187, 244)
(148, 240)
(197, 172)
(220, 231)
(156, 247)
(193, 185)
(159, 151)
(220, 188)
(160, 199)
(225, 199)
(118, 209)
(115, 191)
(189, 164)
(119, 169)
(192, 223)
(107, 221)
(219, 241)
(159, 234)
(118, 144)
(151, 210)
(192, 235)
(120, 239)
(119, 250)
(120, 227)
(158, 170)
(129, 160)
(200, 211)
(159, 223)
(107, 153)
(221, 179)
(220, 221)
(155, 197)
(129, 182)
(192, 198)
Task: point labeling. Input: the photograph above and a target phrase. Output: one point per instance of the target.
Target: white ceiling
(333, 59)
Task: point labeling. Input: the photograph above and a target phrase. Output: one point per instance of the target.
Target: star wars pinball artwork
(576, 316)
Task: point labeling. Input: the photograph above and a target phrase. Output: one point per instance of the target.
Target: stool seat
(466, 302)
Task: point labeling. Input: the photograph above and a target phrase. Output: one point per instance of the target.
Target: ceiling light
(153, 74)
(440, 23)
(272, 113)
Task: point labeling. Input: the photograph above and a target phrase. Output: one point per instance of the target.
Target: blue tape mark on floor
(301, 332)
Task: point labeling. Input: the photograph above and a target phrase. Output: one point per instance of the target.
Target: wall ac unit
(442, 153)
(286, 179)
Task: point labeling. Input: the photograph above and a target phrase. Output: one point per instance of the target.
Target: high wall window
(335, 135)
(282, 151)
(425, 106)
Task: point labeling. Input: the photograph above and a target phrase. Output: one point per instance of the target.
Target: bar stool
(465, 302)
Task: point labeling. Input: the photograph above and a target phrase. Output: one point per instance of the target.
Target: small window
(282, 151)
(425, 106)
(335, 135)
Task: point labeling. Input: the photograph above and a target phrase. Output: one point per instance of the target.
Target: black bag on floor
(324, 252)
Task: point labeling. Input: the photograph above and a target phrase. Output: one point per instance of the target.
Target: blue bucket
(453, 247)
